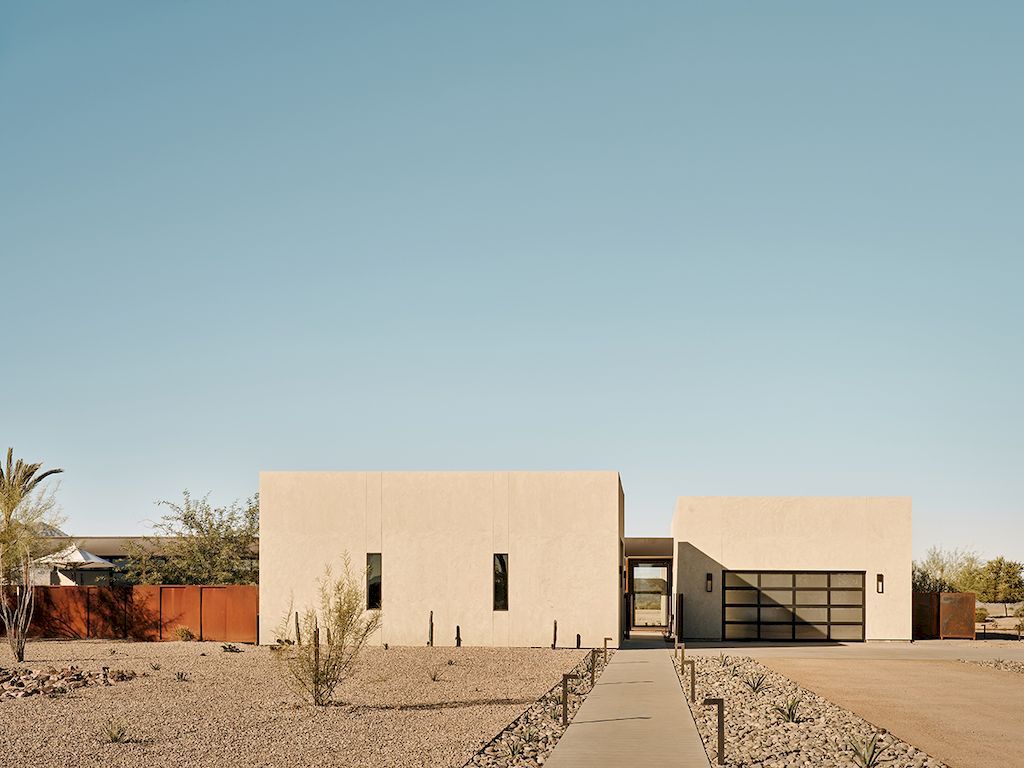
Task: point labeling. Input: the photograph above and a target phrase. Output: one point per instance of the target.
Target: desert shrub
(181, 677)
(116, 732)
(184, 634)
(1019, 613)
(154, 666)
(867, 753)
(790, 711)
(316, 662)
(230, 648)
(980, 614)
(757, 683)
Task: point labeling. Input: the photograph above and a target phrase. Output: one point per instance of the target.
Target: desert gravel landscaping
(404, 707)
(757, 733)
(1007, 664)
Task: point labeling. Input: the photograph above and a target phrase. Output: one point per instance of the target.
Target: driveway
(965, 715)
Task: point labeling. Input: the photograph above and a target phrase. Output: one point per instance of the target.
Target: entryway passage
(636, 716)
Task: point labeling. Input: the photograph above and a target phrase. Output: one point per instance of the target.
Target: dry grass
(234, 712)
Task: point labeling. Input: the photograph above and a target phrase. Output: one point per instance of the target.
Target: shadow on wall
(701, 610)
(97, 612)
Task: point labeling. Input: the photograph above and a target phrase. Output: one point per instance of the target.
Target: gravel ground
(1011, 666)
(527, 742)
(232, 710)
(756, 735)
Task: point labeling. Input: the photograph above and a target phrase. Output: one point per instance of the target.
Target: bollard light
(720, 703)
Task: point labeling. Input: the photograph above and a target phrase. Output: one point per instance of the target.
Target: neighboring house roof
(117, 546)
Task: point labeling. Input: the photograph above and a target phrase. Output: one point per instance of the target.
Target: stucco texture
(813, 533)
(437, 533)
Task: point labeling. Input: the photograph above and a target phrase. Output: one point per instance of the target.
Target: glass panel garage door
(793, 605)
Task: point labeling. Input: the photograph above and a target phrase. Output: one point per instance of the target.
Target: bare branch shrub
(319, 657)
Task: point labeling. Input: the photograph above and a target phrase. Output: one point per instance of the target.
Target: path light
(720, 703)
(606, 649)
(565, 697)
(693, 678)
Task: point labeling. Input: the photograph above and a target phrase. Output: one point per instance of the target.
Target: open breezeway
(967, 715)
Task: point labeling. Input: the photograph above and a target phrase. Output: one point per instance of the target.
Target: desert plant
(154, 666)
(790, 711)
(27, 519)
(867, 753)
(757, 683)
(116, 732)
(230, 648)
(181, 677)
(315, 668)
(434, 673)
(723, 660)
(980, 614)
(184, 634)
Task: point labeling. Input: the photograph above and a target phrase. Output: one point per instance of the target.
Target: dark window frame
(374, 584)
(499, 564)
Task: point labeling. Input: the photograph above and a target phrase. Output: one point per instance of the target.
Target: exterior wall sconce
(708, 586)
(880, 583)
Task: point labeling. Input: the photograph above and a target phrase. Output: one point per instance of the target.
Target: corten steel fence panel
(144, 619)
(61, 612)
(215, 613)
(956, 615)
(179, 608)
(926, 615)
(108, 611)
(243, 607)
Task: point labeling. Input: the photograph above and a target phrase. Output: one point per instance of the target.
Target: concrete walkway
(635, 716)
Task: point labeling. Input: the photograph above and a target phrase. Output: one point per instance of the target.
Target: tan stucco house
(501, 558)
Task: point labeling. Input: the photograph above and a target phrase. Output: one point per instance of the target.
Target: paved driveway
(963, 714)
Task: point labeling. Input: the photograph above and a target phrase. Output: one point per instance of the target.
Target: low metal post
(458, 636)
(606, 649)
(565, 698)
(579, 641)
(693, 678)
(430, 630)
(554, 635)
(593, 665)
(298, 634)
(720, 703)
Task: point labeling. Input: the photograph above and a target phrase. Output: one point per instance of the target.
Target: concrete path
(635, 716)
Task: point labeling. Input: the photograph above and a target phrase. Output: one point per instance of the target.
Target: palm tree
(19, 534)
(17, 483)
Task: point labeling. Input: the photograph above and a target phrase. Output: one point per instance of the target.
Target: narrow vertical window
(501, 582)
(373, 594)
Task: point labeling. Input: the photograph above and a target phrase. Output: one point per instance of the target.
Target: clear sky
(723, 248)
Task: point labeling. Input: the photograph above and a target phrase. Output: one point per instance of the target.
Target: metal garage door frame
(793, 604)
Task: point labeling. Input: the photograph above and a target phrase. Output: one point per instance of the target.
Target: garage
(793, 605)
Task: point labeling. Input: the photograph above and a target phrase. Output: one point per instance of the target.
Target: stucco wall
(871, 534)
(437, 533)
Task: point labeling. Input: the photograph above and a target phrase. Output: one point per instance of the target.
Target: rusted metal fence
(943, 615)
(150, 612)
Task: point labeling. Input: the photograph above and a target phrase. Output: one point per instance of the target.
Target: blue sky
(723, 248)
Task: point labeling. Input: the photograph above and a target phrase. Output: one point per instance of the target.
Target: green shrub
(980, 615)
(116, 732)
(790, 711)
(867, 753)
(184, 634)
(757, 683)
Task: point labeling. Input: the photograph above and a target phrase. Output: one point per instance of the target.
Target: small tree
(27, 515)
(946, 571)
(198, 543)
(1001, 581)
(334, 634)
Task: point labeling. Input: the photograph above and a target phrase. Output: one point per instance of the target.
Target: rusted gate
(943, 615)
(956, 615)
(222, 613)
